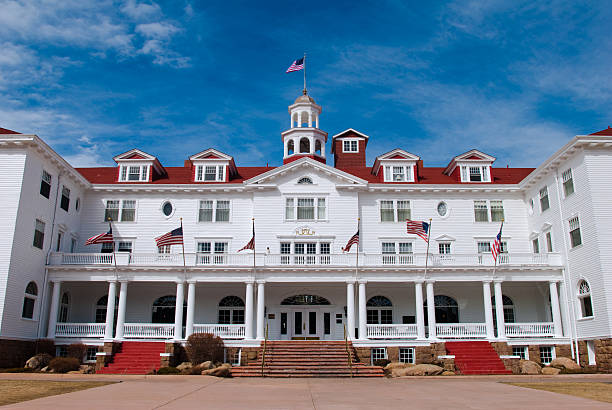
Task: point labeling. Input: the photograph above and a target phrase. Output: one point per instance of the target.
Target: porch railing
(148, 330)
(461, 330)
(223, 331)
(544, 329)
(79, 330)
(391, 331)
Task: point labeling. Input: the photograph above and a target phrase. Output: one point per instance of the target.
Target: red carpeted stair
(310, 358)
(476, 358)
(135, 358)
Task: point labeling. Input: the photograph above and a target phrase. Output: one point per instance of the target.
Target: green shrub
(202, 347)
(45, 346)
(76, 350)
(168, 370)
(381, 362)
(64, 364)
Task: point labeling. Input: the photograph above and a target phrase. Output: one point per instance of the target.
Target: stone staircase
(476, 357)
(135, 358)
(311, 358)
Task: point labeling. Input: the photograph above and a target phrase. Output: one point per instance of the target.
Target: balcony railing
(79, 330)
(148, 331)
(461, 330)
(303, 260)
(223, 331)
(546, 329)
(392, 331)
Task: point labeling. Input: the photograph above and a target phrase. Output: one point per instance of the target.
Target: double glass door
(300, 324)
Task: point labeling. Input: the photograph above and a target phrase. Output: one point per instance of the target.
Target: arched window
(380, 311)
(318, 147)
(304, 146)
(311, 300)
(290, 147)
(63, 309)
(305, 180)
(29, 300)
(231, 310)
(101, 309)
(304, 119)
(447, 309)
(295, 122)
(584, 297)
(508, 310)
(164, 308)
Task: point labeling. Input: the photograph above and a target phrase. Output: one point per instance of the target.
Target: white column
(499, 311)
(556, 309)
(312, 142)
(310, 119)
(431, 310)
(488, 309)
(190, 309)
(261, 310)
(420, 319)
(285, 148)
(317, 121)
(178, 311)
(122, 308)
(110, 310)
(248, 312)
(350, 309)
(363, 312)
(55, 299)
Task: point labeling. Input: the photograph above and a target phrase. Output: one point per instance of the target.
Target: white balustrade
(148, 330)
(392, 331)
(223, 331)
(544, 329)
(461, 330)
(338, 259)
(79, 330)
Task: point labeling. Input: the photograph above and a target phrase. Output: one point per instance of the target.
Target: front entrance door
(305, 325)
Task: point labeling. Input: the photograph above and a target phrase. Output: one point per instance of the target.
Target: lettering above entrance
(305, 300)
(304, 231)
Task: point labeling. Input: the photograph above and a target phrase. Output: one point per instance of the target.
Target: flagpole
(305, 74)
(427, 252)
(253, 219)
(357, 257)
(110, 228)
(495, 265)
(183, 246)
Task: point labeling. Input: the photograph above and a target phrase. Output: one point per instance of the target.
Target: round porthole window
(167, 208)
(442, 209)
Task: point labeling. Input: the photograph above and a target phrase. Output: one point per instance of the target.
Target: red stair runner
(135, 358)
(476, 358)
(310, 358)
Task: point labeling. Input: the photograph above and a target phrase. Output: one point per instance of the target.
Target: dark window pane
(28, 308)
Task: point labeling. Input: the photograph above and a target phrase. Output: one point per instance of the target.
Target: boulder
(207, 365)
(448, 373)
(38, 361)
(550, 371)
(87, 369)
(564, 363)
(529, 367)
(45, 369)
(74, 372)
(184, 366)
(421, 370)
(397, 365)
(221, 371)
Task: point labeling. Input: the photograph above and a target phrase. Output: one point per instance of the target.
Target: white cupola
(304, 138)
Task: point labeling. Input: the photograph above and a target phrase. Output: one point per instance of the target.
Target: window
(484, 247)
(305, 180)
(111, 212)
(445, 249)
(61, 351)
(120, 210)
(90, 354)
(65, 201)
(128, 211)
(406, 355)
(386, 211)
(350, 146)
(481, 211)
(380, 311)
(58, 244)
(398, 173)
(214, 211)
(210, 173)
(63, 309)
(134, 173)
(73, 245)
(45, 184)
(394, 210)
(508, 306)
(497, 211)
(475, 174)
(101, 309)
(231, 311)
(212, 252)
(29, 301)
(403, 210)
(549, 245)
(378, 353)
(164, 249)
(574, 227)
(535, 245)
(544, 203)
(124, 246)
(584, 297)
(568, 182)
(167, 208)
(39, 234)
(546, 354)
(520, 351)
(77, 204)
(403, 256)
(442, 209)
(308, 209)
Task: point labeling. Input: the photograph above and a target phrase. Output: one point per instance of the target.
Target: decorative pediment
(134, 155)
(211, 154)
(298, 167)
(348, 132)
(397, 157)
(135, 166)
(471, 157)
(445, 238)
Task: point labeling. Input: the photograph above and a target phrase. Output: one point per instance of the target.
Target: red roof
(606, 132)
(5, 131)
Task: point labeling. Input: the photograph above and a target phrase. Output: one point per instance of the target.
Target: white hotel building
(552, 288)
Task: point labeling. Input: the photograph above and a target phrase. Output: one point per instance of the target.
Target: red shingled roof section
(606, 132)
(5, 131)
(175, 175)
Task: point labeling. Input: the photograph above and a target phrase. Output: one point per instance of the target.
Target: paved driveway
(187, 392)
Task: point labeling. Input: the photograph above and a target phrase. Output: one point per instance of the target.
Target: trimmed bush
(76, 350)
(45, 346)
(202, 347)
(168, 370)
(64, 364)
(381, 362)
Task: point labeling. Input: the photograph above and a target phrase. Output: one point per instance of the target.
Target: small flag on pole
(419, 228)
(174, 237)
(496, 248)
(251, 244)
(101, 238)
(296, 66)
(354, 240)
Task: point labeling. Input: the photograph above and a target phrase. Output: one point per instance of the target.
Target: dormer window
(350, 146)
(474, 173)
(210, 173)
(399, 173)
(136, 173)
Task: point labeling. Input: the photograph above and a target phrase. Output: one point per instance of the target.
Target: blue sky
(514, 79)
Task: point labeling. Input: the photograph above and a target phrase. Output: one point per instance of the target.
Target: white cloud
(139, 11)
(157, 30)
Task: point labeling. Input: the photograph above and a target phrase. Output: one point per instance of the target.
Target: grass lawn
(14, 391)
(587, 390)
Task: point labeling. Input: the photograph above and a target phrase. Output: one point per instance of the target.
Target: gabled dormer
(396, 166)
(212, 166)
(138, 166)
(472, 166)
(349, 148)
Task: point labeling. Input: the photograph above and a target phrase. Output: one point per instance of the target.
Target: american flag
(354, 240)
(297, 65)
(251, 244)
(496, 248)
(101, 238)
(174, 237)
(419, 228)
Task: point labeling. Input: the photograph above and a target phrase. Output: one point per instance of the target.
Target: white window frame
(378, 353)
(567, 177)
(480, 203)
(525, 350)
(553, 354)
(120, 210)
(214, 210)
(581, 296)
(397, 256)
(212, 257)
(543, 193)
(350, 145)
(409, 353)
(445, 243)
(395, 210)
(549, 241)
(44, 228)
(143, 172)
(575, 219)
(535, 245)
(46, 178)
(317, 208)
(200, 172)
(306, 258)
(483, 170)
(389, 172)
(34, 299)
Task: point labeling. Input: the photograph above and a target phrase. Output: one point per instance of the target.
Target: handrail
(263, 353)
(348, 352)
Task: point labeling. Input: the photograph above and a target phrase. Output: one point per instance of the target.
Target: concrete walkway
(187, 392)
